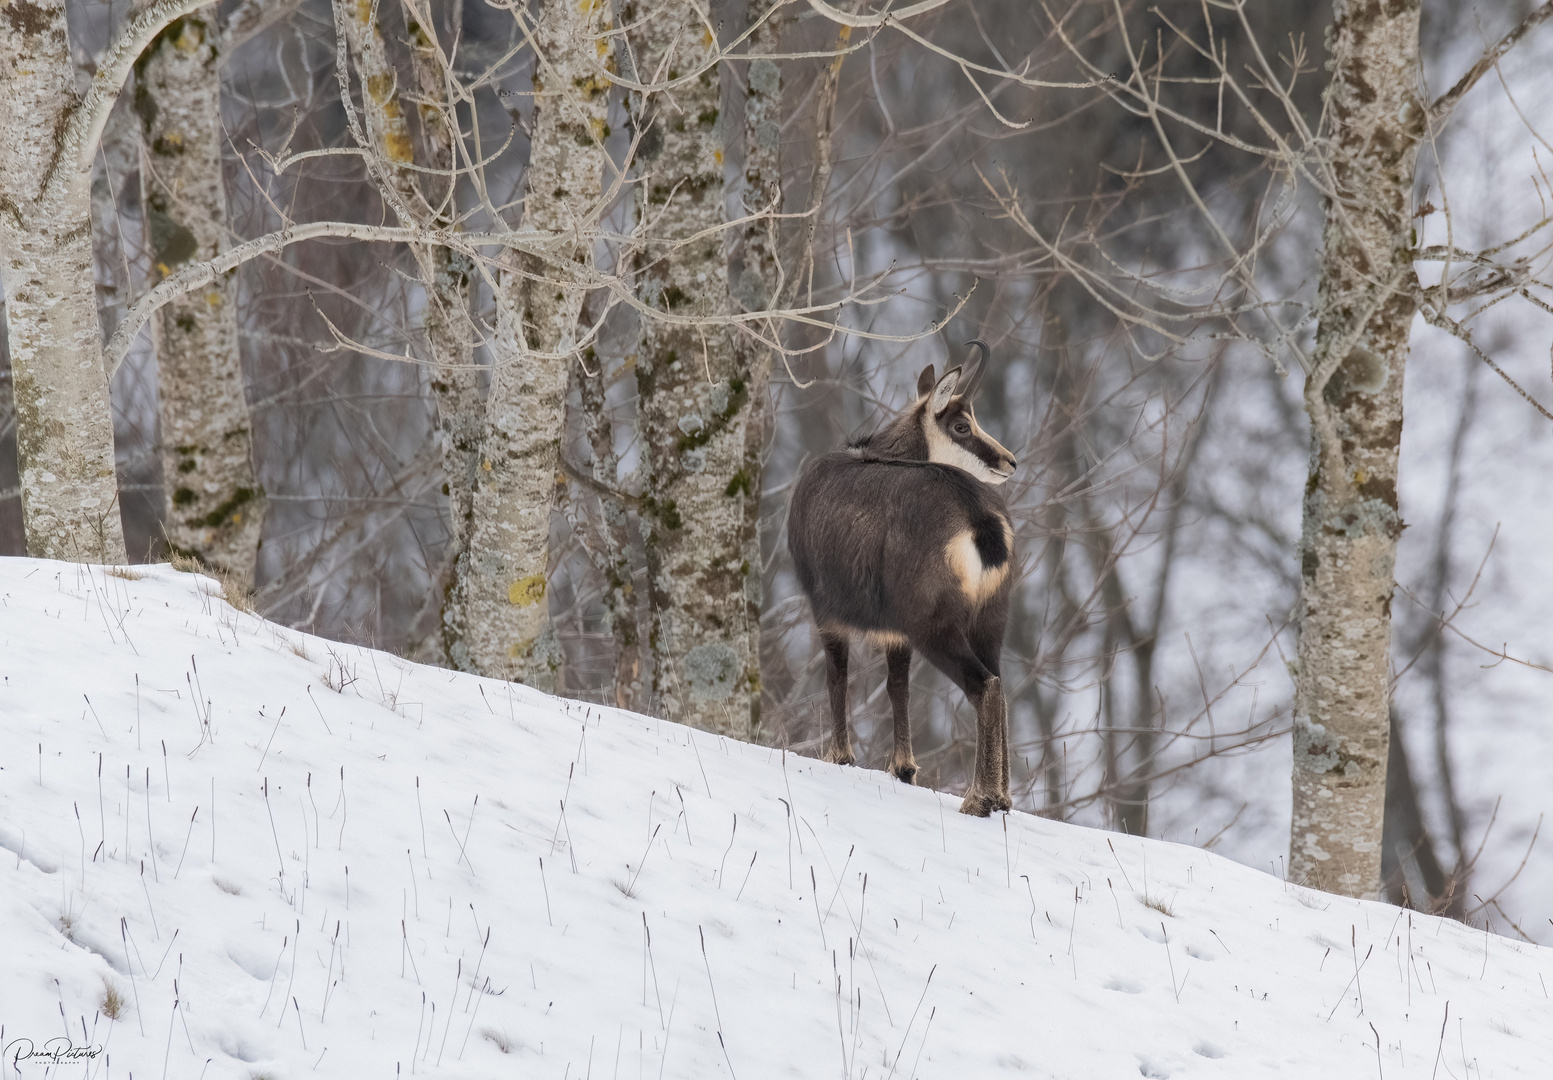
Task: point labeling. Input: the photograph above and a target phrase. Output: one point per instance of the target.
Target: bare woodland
(496, 333)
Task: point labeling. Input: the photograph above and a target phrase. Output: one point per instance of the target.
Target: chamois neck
(902, 438)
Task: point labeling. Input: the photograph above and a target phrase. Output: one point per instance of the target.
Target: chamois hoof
(982, 804)
(905, 772)
(841, 755)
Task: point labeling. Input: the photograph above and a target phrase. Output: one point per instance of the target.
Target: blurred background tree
(981, 168)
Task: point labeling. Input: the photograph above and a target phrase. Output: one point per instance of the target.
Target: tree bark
(213, 503)
(612, 555)
(456, 380)
(759, 285)
(694, 390)
(426, 198)
(116, 216)
(498, 617)
(1349, 536)
(64, 421)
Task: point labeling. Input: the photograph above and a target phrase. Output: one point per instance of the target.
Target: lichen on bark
(695, 389)
(496, 620)
(213, 503)
(1354, 399)
(63, 419)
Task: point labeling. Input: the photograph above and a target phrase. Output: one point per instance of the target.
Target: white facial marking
(945, 451)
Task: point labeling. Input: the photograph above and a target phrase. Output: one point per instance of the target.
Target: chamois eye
(962, 428)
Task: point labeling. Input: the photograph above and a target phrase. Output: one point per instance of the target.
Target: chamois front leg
(898, 662)
(836, 649)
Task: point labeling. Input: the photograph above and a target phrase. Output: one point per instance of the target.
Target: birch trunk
(759, 285)
(498, 617)
(64, 421)
(613, 554)
(456, 381)
(213, 504)
(427, 198)
(694, 392)
(1354, 397)
(116, 217)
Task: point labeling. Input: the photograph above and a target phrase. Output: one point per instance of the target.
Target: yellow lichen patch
(520, 648)
(706, 37)
(718, 154)
(380, 86)
(600, 128)
(486, 464)
(213, 298)
(190, 37)
(526, 592)
(399, 147)
(364, 12)
(173, 138)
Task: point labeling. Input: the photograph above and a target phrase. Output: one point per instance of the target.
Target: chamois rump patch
(980, 560)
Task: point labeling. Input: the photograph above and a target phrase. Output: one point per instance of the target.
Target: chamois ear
(925, 381)
(944, 391)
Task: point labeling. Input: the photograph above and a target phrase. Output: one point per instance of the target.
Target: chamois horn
(972, 383)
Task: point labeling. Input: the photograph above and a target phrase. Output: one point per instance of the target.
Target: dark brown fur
(914, 553)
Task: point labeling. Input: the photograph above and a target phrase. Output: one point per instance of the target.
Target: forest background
(889, 189)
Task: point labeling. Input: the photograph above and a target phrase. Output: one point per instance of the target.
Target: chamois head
(941, 426)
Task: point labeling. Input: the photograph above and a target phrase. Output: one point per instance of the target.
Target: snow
(347, 864)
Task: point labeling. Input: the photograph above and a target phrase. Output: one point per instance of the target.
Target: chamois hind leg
(988, 790)
(836, 648)
(898, 662)
(986, 639)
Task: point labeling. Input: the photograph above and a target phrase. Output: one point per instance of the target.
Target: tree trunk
(694, 391)
(498, 615)
(116, 216)
(1354, 397)
(456, 380)
(64, 421)
(427, 198)
(760, 281)
(612, 556)
(1411, 872)
(213, 504)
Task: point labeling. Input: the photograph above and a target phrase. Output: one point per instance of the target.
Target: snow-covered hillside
(287, 856)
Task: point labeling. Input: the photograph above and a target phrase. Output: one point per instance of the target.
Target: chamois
(903, 539)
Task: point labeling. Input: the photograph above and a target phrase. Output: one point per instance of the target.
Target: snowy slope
(336, 868)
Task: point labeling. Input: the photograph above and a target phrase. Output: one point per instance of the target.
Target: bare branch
(1447, 101)
(249, 19)
(836, 15)
(84, 128)
(197, 275)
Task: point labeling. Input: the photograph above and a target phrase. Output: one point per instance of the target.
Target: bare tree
(695, 398)
(64, 430)
(498, 607)
(213, 507)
